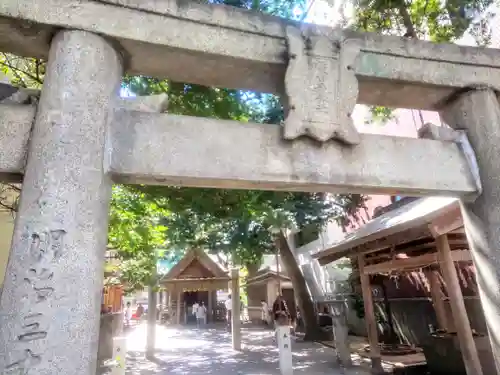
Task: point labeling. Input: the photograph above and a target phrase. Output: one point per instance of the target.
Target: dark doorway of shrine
(190, 298)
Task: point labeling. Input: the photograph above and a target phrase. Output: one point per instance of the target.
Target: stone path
(208, 351)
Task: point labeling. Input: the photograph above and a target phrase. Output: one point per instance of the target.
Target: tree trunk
(304, 301)
(252, 269)
(151, 320)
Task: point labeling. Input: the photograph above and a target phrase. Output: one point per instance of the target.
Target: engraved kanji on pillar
(320, 85)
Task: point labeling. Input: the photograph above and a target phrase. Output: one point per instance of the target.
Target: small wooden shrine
(265, 284)
(424, 241)
(195, 278)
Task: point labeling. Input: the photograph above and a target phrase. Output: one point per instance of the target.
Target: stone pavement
(186, 350)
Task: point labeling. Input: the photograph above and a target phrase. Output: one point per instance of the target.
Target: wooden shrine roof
(264, 276)
(270, 269)
(407, 231)
(196, 265)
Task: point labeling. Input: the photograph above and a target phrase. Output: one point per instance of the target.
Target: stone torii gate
(70, 147)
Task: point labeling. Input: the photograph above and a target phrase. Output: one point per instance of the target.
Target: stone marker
(284, 349)
(119, 356)
(341, 334)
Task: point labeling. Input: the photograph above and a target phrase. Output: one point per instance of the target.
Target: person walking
(280, 310)
(201, 313)
(194, 308)
(139, 312)
(281, 315)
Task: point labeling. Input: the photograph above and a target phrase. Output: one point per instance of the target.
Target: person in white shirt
(229, 308)
(201, 313)
(128, 314)
(194, 308)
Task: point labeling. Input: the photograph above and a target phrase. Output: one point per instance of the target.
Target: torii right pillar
(478, 113)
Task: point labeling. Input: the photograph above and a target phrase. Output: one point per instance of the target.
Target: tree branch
(405, 15)
(17, 70)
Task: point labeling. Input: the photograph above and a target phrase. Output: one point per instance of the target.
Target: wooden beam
(416, 262)
(210, 307)
(448, 222)
(460, 318)
(437, 296)
(196, 280)
(371, 323)
(364, 246)
(178, 306)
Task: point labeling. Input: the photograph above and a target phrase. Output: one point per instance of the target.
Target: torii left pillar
(51, 297)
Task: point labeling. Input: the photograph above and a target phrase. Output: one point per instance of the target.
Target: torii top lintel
(235, 48)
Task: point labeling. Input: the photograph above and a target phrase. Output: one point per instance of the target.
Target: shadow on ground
(208, 351)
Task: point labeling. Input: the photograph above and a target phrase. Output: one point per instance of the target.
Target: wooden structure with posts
(426, 234)
(265, 284)
(195, 278)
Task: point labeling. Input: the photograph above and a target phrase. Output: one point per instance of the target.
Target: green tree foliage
(434, 20)
(21, 71)
(136, 230)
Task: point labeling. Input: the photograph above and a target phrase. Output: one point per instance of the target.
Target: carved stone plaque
(320, 85)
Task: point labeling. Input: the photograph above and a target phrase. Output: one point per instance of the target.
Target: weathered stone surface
(51, 295)
(438, 133)
(15, 127)
(320, 86)
(152, 103)
(198, 156)
(447, 134)
(189, 151)
(240, 49)
(478, 113)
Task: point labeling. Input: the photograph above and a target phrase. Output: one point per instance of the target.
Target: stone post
(210, 306)
(284, 348)
(178, 306)
(49, 308)
(341, 333)
(478, 113)
(119, 355)
(235, 316)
